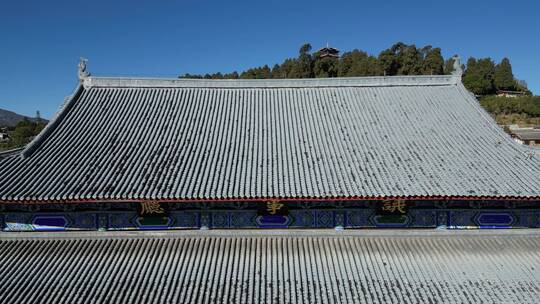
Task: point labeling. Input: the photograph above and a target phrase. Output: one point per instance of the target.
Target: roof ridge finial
(82, 72)
(458, 69)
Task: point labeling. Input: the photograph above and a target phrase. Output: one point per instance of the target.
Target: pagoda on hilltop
(328, 51)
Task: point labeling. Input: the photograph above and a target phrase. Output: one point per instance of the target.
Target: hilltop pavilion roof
(415, 137)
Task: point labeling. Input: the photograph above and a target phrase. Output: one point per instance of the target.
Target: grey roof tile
(277, 267)
(372, 137)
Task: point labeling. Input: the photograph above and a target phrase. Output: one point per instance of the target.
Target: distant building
(3, 135)
(511, 94)
(328, 52)
(527, 136)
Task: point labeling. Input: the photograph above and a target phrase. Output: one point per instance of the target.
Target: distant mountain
(10, 119)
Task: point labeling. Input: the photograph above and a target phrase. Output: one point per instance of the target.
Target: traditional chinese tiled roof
(271, 267)
(527, 133)
(181, 139)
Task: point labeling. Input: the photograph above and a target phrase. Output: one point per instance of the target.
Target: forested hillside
(521, 110)
(10, 119)
(481, 76)
(19, 129)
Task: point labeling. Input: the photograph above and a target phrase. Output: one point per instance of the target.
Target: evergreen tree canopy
(326, 67)
(481, 76)
(22, 134)
(388, 62)
(358, 63)
(478, 76)
(285, 70)
(303, 68)
(433, 62)
(449, 66)
(504, 78)
(257, 73)
(410, 61)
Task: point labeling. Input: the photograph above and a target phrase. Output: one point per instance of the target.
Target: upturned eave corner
(53, 123)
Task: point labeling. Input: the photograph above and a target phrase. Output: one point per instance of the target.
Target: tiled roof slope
(249, 267)
(125, 138)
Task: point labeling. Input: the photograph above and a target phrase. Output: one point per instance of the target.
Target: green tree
(398, 48)
(276, 71)
(449, 66)
(521, 85)
(402, 59)
(526, 105)
(410, 61)
(326, 67)
(190, 76)
(285, 70)
(433, 62)
(388, 62)
(304, 65)
(478, 77)
(233, 75)
(257, 73)
(23, 133)
(217, 75)
(503, 76)
(264, 72)
(358, 63)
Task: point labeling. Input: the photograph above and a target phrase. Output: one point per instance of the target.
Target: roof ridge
(53, 123)
(529, 151)
(370, 81)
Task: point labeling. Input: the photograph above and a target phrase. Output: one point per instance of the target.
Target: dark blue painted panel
(49, 222)
(273, 221)
(494, 219)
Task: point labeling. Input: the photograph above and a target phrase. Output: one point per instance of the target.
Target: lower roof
(271, 267)
(527, 134)
(174, 139)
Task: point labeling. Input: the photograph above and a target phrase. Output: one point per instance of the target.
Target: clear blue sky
(41, 41)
